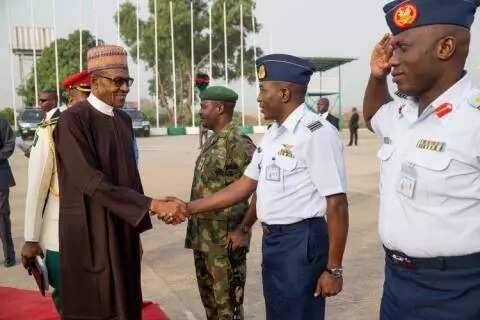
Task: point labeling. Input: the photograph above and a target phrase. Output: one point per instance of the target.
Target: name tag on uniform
(408, 180)
(272, 172)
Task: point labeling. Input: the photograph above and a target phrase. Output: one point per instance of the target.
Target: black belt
(274, 228)
(439, 263)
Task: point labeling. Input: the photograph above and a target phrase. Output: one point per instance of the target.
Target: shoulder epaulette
(314, 126)
(401, 95)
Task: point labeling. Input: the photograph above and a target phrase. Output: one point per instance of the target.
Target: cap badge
(405, 15)
(262, 72)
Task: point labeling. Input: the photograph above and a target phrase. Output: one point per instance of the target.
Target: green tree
(7, 114)
(68, 63)
(183, 46)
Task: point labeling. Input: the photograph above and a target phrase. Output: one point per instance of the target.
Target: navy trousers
(294, 257)
(430, 294)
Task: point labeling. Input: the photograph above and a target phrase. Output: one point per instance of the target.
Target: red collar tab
(443, 109)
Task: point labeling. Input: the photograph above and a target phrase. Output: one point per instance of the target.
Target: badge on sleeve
(408, 180)
(273, 172)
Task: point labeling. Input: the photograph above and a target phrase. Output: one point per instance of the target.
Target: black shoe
(9, 263)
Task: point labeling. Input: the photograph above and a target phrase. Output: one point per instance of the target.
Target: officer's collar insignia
(475, 101)
(405, 15)
(443, 109)
(314, 126)
(262, 72)
(431, 145)
(286, 151)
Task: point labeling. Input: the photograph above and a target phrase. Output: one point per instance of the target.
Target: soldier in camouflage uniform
(220, 271)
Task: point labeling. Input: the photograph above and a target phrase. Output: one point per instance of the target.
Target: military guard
(42, 203)
(298, 172)
(430, 161)
(224, 157)
(77, 86)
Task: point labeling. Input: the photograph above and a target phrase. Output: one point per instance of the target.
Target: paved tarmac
(166, 168)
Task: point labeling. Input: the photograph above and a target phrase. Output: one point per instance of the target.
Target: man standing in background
(353, 127)
(7, 146)
(323, 106)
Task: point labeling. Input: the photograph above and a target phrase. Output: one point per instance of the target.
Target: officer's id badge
(431, 145)
(408, 180)
(272, 172)
(475, 101)
(286, 151)
(261, 72)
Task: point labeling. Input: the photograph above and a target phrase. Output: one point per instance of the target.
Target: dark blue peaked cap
(284, 67)
(402, 15)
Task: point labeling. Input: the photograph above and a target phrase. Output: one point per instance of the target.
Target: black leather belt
(439, 263)
(273, 228)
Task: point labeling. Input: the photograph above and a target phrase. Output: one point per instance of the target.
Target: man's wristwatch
(244, 228)
(336, 272)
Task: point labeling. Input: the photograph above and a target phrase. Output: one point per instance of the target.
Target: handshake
(170, 210)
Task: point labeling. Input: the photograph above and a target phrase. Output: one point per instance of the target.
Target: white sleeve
(253, 169)
(382, 120)
(325, 162)
(40, 169)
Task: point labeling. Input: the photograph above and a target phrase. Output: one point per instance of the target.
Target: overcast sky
(340, 28)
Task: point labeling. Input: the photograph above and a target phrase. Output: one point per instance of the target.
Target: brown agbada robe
(102, 213)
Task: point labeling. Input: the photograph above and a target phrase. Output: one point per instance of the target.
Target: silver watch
(335, 272)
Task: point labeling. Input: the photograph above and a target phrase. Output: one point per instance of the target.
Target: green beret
(219, 93)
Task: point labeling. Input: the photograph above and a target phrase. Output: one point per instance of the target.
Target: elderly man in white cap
(102, 206)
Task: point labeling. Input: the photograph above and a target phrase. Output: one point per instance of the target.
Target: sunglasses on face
(119, 81)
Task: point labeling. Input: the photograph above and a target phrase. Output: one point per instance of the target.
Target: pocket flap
(436, 161)
(286, 163)
(385, 152)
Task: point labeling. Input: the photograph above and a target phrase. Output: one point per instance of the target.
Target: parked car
(141, 127)
(28, 122)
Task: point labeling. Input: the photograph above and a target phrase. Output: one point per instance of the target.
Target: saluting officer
(430, 161)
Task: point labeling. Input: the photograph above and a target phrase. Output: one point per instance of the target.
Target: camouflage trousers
(221, 281)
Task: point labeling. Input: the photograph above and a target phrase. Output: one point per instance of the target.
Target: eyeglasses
(119, 81)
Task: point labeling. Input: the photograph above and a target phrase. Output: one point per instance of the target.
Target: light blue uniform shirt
(430, 174)
(308, 153)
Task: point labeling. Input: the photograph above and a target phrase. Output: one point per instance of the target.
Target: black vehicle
(141, 127)
(28, 122)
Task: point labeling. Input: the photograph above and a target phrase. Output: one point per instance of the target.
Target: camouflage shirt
(223, 159)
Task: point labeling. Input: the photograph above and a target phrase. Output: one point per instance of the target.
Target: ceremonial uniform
(221, 272)
(297, 165)
(42, 202)
(429, 190)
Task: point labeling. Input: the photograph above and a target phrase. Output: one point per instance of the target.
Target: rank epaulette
(401, 95)
(314, 126)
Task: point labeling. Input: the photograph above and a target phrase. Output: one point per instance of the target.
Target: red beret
(79, 80)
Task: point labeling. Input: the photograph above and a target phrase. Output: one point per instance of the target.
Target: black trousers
(353, 136)
(5, 226)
